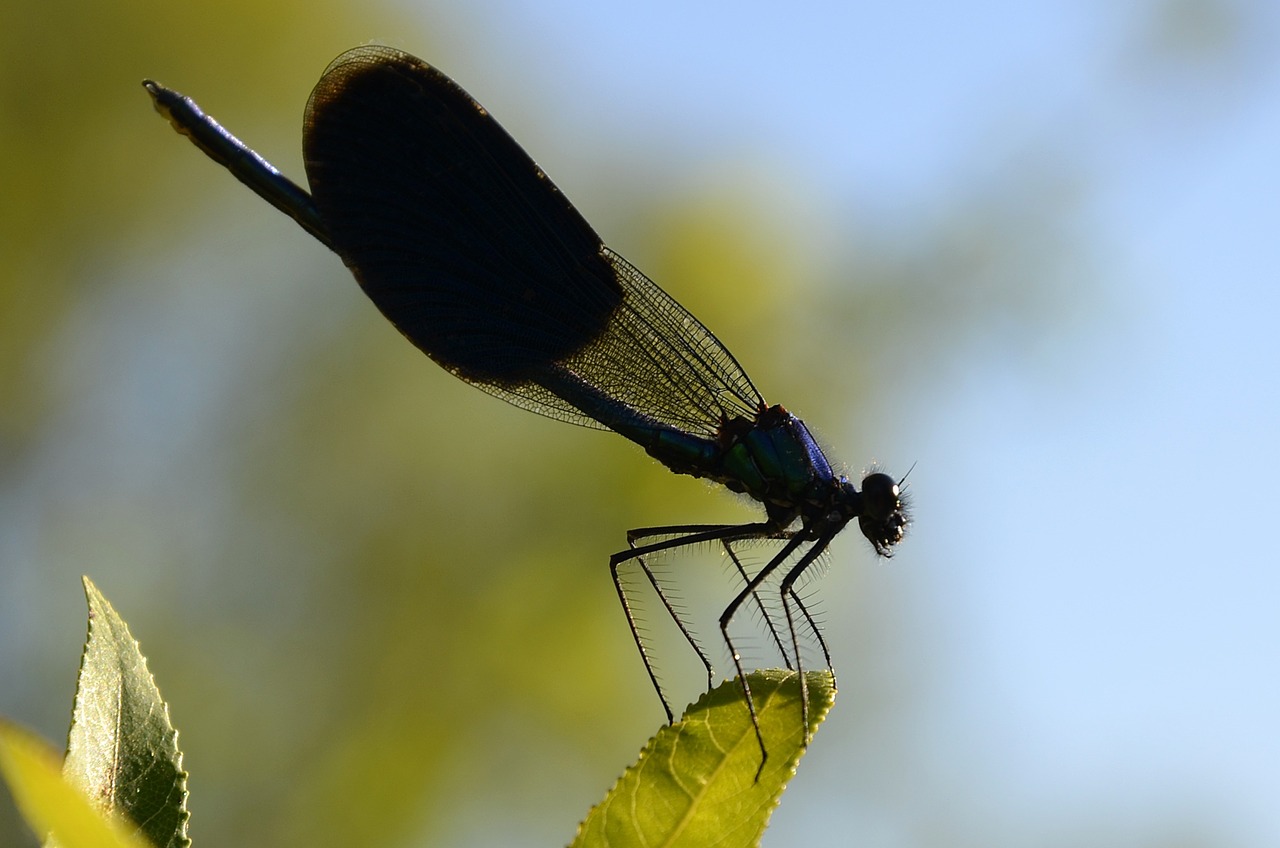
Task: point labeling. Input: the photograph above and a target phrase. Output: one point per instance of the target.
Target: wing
(478, 259)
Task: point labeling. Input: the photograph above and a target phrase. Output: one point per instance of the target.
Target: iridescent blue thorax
(774, 459)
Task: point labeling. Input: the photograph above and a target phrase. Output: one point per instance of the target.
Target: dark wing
(479, 260)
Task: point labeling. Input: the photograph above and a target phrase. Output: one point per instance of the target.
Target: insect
(476, 257)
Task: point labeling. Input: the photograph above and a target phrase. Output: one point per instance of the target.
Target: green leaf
(122, 750)
(49, 803)
(695, 783)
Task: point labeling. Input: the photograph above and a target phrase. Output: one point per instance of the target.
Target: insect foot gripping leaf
(699, 781)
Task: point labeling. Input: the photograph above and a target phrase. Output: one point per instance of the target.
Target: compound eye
(883, 520)
(881, 496)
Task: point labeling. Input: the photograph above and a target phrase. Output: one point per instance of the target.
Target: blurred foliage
(72, 166)
(411, 567)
